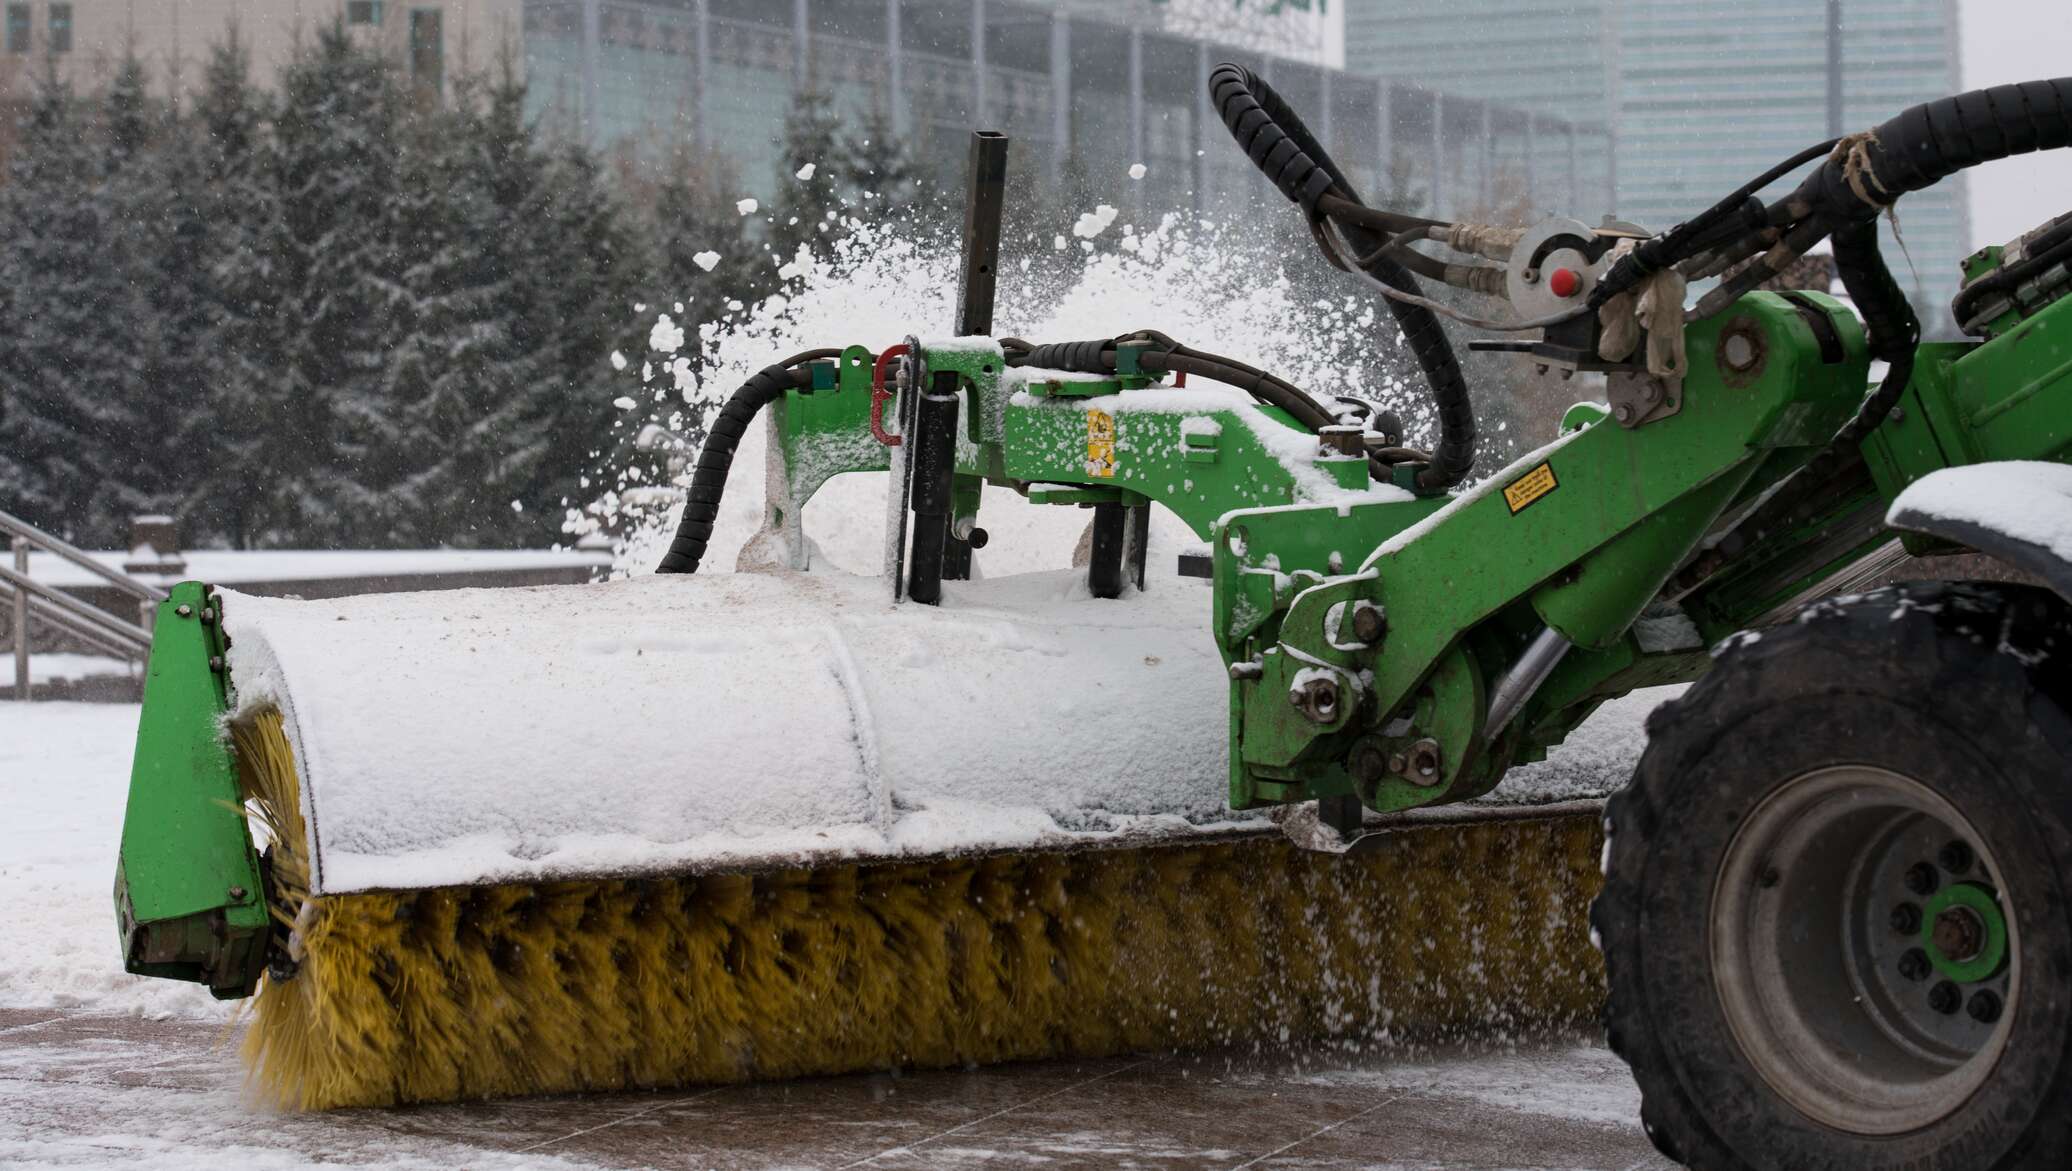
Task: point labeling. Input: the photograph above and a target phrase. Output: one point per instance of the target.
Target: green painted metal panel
(189, 901)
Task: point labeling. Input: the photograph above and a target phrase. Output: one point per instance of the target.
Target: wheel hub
(1860, 951)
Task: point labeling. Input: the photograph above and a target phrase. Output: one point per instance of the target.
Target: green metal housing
(189, 900)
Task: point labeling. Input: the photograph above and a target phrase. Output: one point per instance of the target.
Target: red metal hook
(879, 395)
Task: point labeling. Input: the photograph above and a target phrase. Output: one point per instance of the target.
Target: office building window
(17, 28)
(61, 28)
(427, 49)
(363, 12)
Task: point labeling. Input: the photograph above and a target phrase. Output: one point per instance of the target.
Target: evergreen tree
(692, 213)
(335, 443)
(239, 288)
(800, 213)
(878, 166)
(67, 368)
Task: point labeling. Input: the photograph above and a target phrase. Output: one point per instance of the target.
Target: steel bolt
(1959, 934)
(237, 892)
(1955, 857)
(1922, 879)
(1984, 1006)
(215, 662)
(1914, 964)
(1944, 998)
(1623, 413)
(1369, 622)
(1370, 763)
(183, 610)
(1906, 918)
(207, 616)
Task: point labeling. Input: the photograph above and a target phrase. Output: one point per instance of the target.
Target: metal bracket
(1638, 398)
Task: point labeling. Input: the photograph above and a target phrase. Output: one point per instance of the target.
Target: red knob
(1566, 282)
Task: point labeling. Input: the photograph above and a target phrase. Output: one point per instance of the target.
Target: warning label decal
(1530, 487)
(1100, 443)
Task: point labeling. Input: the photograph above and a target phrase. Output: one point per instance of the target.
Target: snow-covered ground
(64, 775)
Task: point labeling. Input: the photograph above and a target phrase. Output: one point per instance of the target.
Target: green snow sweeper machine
(1836, 903)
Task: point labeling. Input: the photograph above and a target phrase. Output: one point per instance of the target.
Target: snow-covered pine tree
(336, 444)
(799, 214)
(692, 213)
(66, 362)
(584, 275)
(877, 165)
(231, 498)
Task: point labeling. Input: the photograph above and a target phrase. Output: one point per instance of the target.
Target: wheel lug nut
(1944, 998)
(1922, 879)
(1906, 918)
(1914, 964)
(1956, 857)
(1984, 1007)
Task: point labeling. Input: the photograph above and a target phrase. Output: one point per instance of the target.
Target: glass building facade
(1076, 89)
(1699, 95)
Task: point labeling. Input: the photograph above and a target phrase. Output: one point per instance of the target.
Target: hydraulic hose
(1284, 150)
(716, 457)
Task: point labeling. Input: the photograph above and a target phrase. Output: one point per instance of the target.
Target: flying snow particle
(517, 506)
(805, 172)
(679, 306)
(733, 306)
(706, 260)
(1094, 222)
(667, 336)
(619, 359)
(1057, 243)
(746, 206)
(623, 402)
(1137, 170)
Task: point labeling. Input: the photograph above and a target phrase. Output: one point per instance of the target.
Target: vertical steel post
(895, 58)
(938, 554)
(1060, 95)
(21, 622)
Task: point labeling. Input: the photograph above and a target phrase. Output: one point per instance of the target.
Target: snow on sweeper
(793, 822)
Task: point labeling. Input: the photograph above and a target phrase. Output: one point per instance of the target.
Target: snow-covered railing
(88, 623)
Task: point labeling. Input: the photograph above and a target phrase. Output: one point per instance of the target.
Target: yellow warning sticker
(1100, 443)
(1530, 487)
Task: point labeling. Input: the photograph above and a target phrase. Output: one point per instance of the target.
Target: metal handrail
(72, 553)
(129, 632)
(90, 624)
(89, 633)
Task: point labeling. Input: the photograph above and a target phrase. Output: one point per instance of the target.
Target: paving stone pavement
(99, 1091)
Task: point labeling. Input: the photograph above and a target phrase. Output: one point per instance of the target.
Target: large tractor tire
(1835, 913)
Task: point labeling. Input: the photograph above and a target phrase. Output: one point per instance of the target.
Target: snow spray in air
(1216, 284)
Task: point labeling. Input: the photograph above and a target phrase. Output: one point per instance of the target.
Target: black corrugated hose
(1277, 142)
(709, 478)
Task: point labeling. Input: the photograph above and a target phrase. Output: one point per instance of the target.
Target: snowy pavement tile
(79, 1091)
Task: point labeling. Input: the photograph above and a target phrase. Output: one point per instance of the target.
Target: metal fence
(27, 599)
